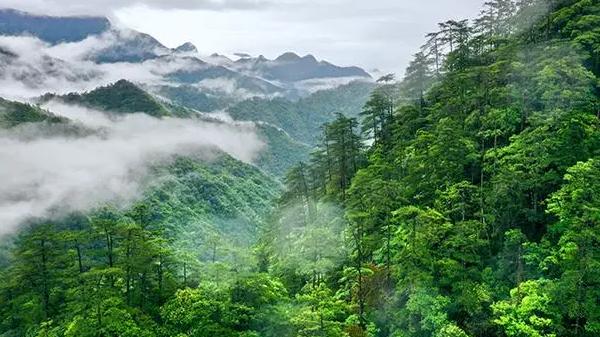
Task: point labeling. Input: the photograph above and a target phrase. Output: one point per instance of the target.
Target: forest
(462, 201)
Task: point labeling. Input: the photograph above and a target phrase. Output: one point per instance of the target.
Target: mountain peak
(310, 58)
(121, 84)
(120, 97)
(187, 47)
(287, 57)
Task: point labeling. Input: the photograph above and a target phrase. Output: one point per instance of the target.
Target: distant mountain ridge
(129, 46)
(290, 67)
(292, 92)
(51, 29)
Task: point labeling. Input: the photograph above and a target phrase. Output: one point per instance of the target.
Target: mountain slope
(129, 46)
(15, 113)
(193, 97)
(124, 97)
(119, 97)
(290, 67)
(224, 196)
(302, 119)
(51, 29)
(282, 151)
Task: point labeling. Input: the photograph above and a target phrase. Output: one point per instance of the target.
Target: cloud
(372, 34)
(40, 67)
(225, 86)
(106, 7)
(313, 85)
(47, 176)
(380, 34)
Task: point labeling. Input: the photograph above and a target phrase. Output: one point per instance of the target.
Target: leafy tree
(529, 312)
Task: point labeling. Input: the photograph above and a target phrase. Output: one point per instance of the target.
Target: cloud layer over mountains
(52, 175)
(49, 173)
(31, 67)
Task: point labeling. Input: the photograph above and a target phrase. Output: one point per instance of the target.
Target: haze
(375, 35)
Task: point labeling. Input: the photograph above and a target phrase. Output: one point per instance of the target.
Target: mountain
(282, 151)
(187, 47)
(119, 97)
(198, 200)
(29, 122)
(124, 97)
(192, 198)
(220, 79)
(125, 45)
(303, 118)
(193, 97)
(117, 52)
(34, 71)
(15, 113)
(465, 202)
(289, 68)
(52, 29)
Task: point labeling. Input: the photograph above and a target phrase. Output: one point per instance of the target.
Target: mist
(37, 67)
(49, 176)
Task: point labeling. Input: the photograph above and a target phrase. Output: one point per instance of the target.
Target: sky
(376, 34)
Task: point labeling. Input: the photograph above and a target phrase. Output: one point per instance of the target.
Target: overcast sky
(379, 34)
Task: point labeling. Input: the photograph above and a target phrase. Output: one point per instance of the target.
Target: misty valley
(152, 191)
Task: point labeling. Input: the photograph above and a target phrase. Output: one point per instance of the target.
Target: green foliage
(281, 151)
(320, 313)
(15, 113)
(200, 312)
(529, 311)
(303, 118)
(110, 273)
(461, 223)
(119, 97)
(470, 206)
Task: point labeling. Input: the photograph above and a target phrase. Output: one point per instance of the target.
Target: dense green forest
(121, 97)
(464, 200)
(14, 113)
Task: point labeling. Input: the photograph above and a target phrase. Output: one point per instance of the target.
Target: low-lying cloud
(311, 86)
(38, 67)
(48, 176)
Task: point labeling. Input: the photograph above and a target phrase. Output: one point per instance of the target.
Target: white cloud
(105, 7)
(225, 86)
(59, 174)
(372, 34)
(64, 68)
(316, 84)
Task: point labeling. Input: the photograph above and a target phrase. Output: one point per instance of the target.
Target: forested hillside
(462, 201)
(303, 118)
(475, 212)
(121, 97)
(196, 219)
(15, 113)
